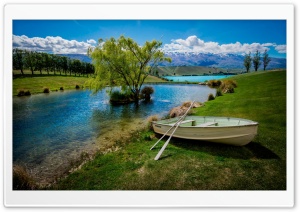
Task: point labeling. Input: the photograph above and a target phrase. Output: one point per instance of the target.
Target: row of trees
(40, 61)
(256, 60)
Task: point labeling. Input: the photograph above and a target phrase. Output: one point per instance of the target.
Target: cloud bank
(195, 44)
(59, 45)
(56, 45)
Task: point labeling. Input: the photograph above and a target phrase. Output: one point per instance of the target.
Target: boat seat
(207, 124)
(183, 122)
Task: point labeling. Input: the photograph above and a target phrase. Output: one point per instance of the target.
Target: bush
(214, 83)
(219, 92)
(210, 97)
(230, 89)
(146, 92)
(119, 97)
(46, 90)
(61, 88)
(24, 93)
(77, 87)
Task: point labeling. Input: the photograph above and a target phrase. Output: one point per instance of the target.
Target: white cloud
(281, 48)
(194, 44)
(56, 45)
(91, 41)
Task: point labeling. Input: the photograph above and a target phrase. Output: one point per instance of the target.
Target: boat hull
(233, 135)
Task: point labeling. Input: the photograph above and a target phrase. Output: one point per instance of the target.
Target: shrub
(77, 87)
(21, 93)
(21, 179)
(219, 92)
(24, 93)
(230, 89)
(211, 97)
(146, 92)
(61, 88)
(120, 97)
(214, 83)
(46, 90)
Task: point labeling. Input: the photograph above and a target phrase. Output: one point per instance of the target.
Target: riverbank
(193, 165)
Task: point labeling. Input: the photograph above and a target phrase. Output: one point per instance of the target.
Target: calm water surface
(51, 130)
(195, 78)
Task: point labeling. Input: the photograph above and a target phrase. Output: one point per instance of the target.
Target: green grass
(36, 83)
(194, 165)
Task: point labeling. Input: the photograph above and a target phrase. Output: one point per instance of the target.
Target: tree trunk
(22, 71)
(137, 95)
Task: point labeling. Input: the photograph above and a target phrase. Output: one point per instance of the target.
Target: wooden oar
(166, 133)
(174, 125)
(177, 125)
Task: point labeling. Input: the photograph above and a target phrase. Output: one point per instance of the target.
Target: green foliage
(39, 61)
(146, 92)
(123, 62)
(247, 61)
(256, 60)
(19, 60)
(120, 96)
(211, 97)
(219, 92)
(266, 59)
(46, 90)
(24, 93)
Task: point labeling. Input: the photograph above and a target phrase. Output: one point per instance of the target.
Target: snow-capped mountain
(226, 61)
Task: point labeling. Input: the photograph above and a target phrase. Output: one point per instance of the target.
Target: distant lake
(195, 78)
(51, 130)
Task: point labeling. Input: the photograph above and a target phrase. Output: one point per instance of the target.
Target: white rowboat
(226, 130)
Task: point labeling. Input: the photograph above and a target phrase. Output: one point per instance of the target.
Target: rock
(181, 110)
(188, 104)
(176, 111)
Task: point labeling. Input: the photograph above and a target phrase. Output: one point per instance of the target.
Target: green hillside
(191, 70)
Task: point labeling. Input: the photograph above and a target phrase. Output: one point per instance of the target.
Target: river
(50, 131)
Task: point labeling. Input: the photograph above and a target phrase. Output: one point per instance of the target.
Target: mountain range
(224, 61)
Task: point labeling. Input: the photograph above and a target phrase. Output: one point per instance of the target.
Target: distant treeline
(40, 61)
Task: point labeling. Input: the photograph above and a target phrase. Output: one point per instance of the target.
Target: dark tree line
(256, 60)
(40, 61)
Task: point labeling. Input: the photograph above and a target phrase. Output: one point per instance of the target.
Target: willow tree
(123, 62)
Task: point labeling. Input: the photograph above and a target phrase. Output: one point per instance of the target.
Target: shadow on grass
(251, 150)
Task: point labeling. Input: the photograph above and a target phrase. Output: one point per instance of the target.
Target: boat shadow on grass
(251, 150)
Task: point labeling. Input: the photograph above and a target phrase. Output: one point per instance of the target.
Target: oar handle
(167, 142)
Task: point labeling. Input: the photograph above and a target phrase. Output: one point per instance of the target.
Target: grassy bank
(36, 83)
(194, 165)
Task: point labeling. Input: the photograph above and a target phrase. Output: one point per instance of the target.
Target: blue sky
(205, 36)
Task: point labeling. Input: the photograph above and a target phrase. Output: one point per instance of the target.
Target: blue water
(195, 78)
(51, 129)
